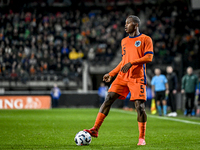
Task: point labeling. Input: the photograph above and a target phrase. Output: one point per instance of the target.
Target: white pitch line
(158, 117)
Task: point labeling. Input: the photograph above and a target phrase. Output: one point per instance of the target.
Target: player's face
(130, 26)
(189, 70)
(169, 69)
(157, 72)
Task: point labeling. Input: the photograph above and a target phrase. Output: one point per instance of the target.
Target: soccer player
(160, 86)
(137, 50)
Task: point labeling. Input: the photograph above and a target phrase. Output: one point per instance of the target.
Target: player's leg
(192, 109)
(56, 103)
(141, 118)
(140, 108)
(138, 95)
(103, 112)
(118, 89)
(173, 102)
(157, 98)
(164, 102)
(110, 98)
(170, 102)
(186, 104)
(189, 104)
(174, 105)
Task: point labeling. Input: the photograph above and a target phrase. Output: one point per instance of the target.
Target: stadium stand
(48, 43)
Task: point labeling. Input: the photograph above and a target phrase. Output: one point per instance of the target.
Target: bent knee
(110, 98)
(140, 107)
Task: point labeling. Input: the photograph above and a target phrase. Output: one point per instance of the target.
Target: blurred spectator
(189, 84)
(32, 70)
(55, 94)
(23, 76)
(13, 76)
(102, 91)
(160, 87)
(73, 55)
(96, 33)
(172, 82)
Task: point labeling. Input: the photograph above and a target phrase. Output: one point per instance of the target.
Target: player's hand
(153, 95)
(107, 78)
(182, 91)
(126, 67)
(167, 92)
(197, 91)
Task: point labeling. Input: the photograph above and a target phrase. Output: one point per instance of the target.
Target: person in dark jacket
(172, 82)
(190, 87)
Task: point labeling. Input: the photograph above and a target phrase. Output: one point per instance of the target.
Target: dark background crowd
(39, 38)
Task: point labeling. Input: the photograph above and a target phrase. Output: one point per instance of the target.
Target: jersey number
(142, 89)
(124, 50)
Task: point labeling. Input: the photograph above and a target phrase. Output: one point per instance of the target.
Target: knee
(140, 107)
(109, 100)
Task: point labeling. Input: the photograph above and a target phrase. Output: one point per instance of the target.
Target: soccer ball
(82, 138)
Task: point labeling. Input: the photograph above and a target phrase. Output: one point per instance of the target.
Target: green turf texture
(56, 129)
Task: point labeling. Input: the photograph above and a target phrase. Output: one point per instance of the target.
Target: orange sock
(99, 120)
(142, 129)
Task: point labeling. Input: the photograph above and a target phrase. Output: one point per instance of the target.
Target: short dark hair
(135, 19)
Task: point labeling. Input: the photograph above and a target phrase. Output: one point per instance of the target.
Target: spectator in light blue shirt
(55, 94)
(160, 90)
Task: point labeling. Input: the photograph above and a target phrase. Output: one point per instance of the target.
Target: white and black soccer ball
(82, 138)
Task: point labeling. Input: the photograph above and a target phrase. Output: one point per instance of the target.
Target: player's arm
(116, 70)
(167, 88)
(153, 90)
(183, 85)
(175, 84)
(107, 77)
(143, 60)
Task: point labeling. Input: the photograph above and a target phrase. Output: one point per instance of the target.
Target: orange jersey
(134, 50)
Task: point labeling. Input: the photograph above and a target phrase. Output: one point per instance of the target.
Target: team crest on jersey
(137, 43)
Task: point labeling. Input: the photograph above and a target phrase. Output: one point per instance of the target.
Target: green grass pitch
(56, 129)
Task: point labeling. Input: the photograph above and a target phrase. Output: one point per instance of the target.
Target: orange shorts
(136, 87)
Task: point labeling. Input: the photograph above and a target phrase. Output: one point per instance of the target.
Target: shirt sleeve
(116, 70)
(143, 60)
(148, 46)
(152, 81)
(165, 79)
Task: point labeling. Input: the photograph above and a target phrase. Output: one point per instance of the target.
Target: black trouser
(172, 101)
(54, 103)
(189, 99)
